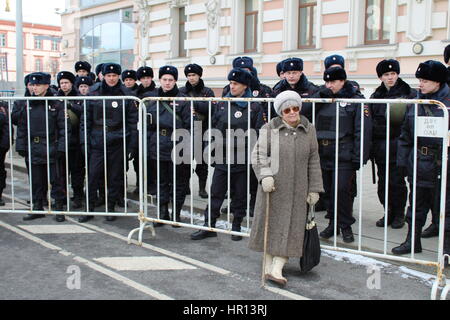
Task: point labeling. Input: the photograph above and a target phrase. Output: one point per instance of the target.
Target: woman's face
(291, 115)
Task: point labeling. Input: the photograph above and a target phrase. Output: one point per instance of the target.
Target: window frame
(41, 62)
(380, 32)
(5, 34)
(182, 51)
(253, 13)
(36, 40)
(312, 44)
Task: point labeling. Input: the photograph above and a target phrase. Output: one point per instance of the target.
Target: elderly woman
(286, 163)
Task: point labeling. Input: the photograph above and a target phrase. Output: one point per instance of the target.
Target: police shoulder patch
(366, 110)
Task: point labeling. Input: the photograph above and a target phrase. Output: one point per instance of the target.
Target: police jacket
(74, 110)
(19, 107)
(4, 126)
(201, 108)
(165, 118)
(134, 89)
(400, 90)
(303, 87)
(142, 92)
(448, 76)
(114, 111)
(38, 132)
(349, 128)
(429, 149)
(239, 124)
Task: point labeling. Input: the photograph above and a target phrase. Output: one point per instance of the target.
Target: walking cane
(266, 227)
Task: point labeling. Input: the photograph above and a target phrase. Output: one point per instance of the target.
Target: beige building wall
(215, 35)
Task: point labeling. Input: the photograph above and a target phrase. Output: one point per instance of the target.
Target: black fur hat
(83, 65)
(241, 76)
(65, 75)
(144, 72)
(334, 59)
(193, 68)
(129, 74)
(387, 66)
(335, 73)
(40, 78)
(292, 64)
(168, 70)
(432, 70)
(111, 68)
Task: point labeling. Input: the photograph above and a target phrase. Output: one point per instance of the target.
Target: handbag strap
(311, 214)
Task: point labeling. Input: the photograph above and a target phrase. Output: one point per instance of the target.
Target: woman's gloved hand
(268, 184)
(312, 198)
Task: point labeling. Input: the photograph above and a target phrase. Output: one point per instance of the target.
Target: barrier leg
(142, 226)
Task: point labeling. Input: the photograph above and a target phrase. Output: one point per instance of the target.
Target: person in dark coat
(147, 85)
(337, 86)
(280, 73)
(4, 144)
(242, 118)
(195, 87)
(129, 79)
(38, 135)
(82, 68)
(392, 87)
(75, 157)
(83, 84)
(164, 122)
(94, 125)
(432, 77)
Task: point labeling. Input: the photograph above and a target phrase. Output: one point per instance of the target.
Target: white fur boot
(276, 274)
(268, 265)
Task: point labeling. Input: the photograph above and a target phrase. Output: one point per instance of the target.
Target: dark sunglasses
(288, 110)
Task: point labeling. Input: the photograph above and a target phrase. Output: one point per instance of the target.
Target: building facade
(41, 50)
(212, 33)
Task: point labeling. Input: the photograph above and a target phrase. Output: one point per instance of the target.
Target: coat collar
(278, 124)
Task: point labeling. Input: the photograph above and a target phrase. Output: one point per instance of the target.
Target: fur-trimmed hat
(168, 70)
(26, 79)
(193, 68)
(144, 72)
(111, 68)
(243, 62)
(83, 80)
(335, 73)
(65, 75)
(287, 99)
(280, 67)
(447, 53)
(387, 66)
(334, 59)
(292, 64)
(129, 74)
(432, 70)
(40, 78)
(83, 65)
(98, 68)
(241, 76)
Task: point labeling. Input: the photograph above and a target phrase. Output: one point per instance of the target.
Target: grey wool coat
(291, 157)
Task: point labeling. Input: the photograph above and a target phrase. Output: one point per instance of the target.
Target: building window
(3, 63)
(37, 43)
(2, 39)
(54, 66)
(38, 64)
(55, 45)
(307, 31)
(378, 21)
(182, 33)
(251, 25)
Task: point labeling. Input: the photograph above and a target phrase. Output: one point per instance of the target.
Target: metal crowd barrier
(148, 210)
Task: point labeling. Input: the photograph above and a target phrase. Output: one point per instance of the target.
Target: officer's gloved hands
(22, 153)
(326, 93)
(312, 198)
(268, 184)
(355, 166)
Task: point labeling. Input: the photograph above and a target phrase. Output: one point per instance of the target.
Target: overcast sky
(35, 11)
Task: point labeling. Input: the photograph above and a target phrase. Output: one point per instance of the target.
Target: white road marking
(286, 293)
(55, 229)
(133, 284)
(143, 263)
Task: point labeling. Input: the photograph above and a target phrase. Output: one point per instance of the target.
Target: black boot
(2, 202)
(202, 234)
(37, 206)
(328, 232)
(398, 220)
(431, 231)
(177, 216)
(347, 235)
(164, 214)
(236, 226)
(202, 192)
(111, 208)
(59, 206)
(405, 247)
(380, 223)
(447, 248)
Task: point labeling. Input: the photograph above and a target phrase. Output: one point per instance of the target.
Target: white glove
(268, 184)
(312, 198)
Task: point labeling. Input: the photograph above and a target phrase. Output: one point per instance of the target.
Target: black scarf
(197, 89)
(171, 93)
(111, 91)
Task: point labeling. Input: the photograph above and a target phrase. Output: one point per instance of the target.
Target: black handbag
(311, 244)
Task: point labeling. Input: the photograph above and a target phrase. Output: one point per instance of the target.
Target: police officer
(66, 81)
(337, 86)
(168, 76)
(240, 82)
(392, 87)
(147, 85)
(432, 77)
(337, 60)
(83, 84)
(280, 74)
(195, 87)
(447, 59)
(98, 72)
(129, 80)
(95, 124)
(4, 144)
(82, 68)
(295, 79)
(57, 123)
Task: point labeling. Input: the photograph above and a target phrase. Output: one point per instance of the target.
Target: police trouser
(344, 195)
(76, 170)
(397, 189)
(2, 169)
(136, 169)
(428, 199)
(39, 178)
(238, 193)
(166, 181)
(114, 171)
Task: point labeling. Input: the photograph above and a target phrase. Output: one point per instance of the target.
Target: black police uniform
(165, 119)
(38, 137)
(201, 109)
(397, 185)
(239, 120)
(94, 126)
(4, 145)
(349, 150)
